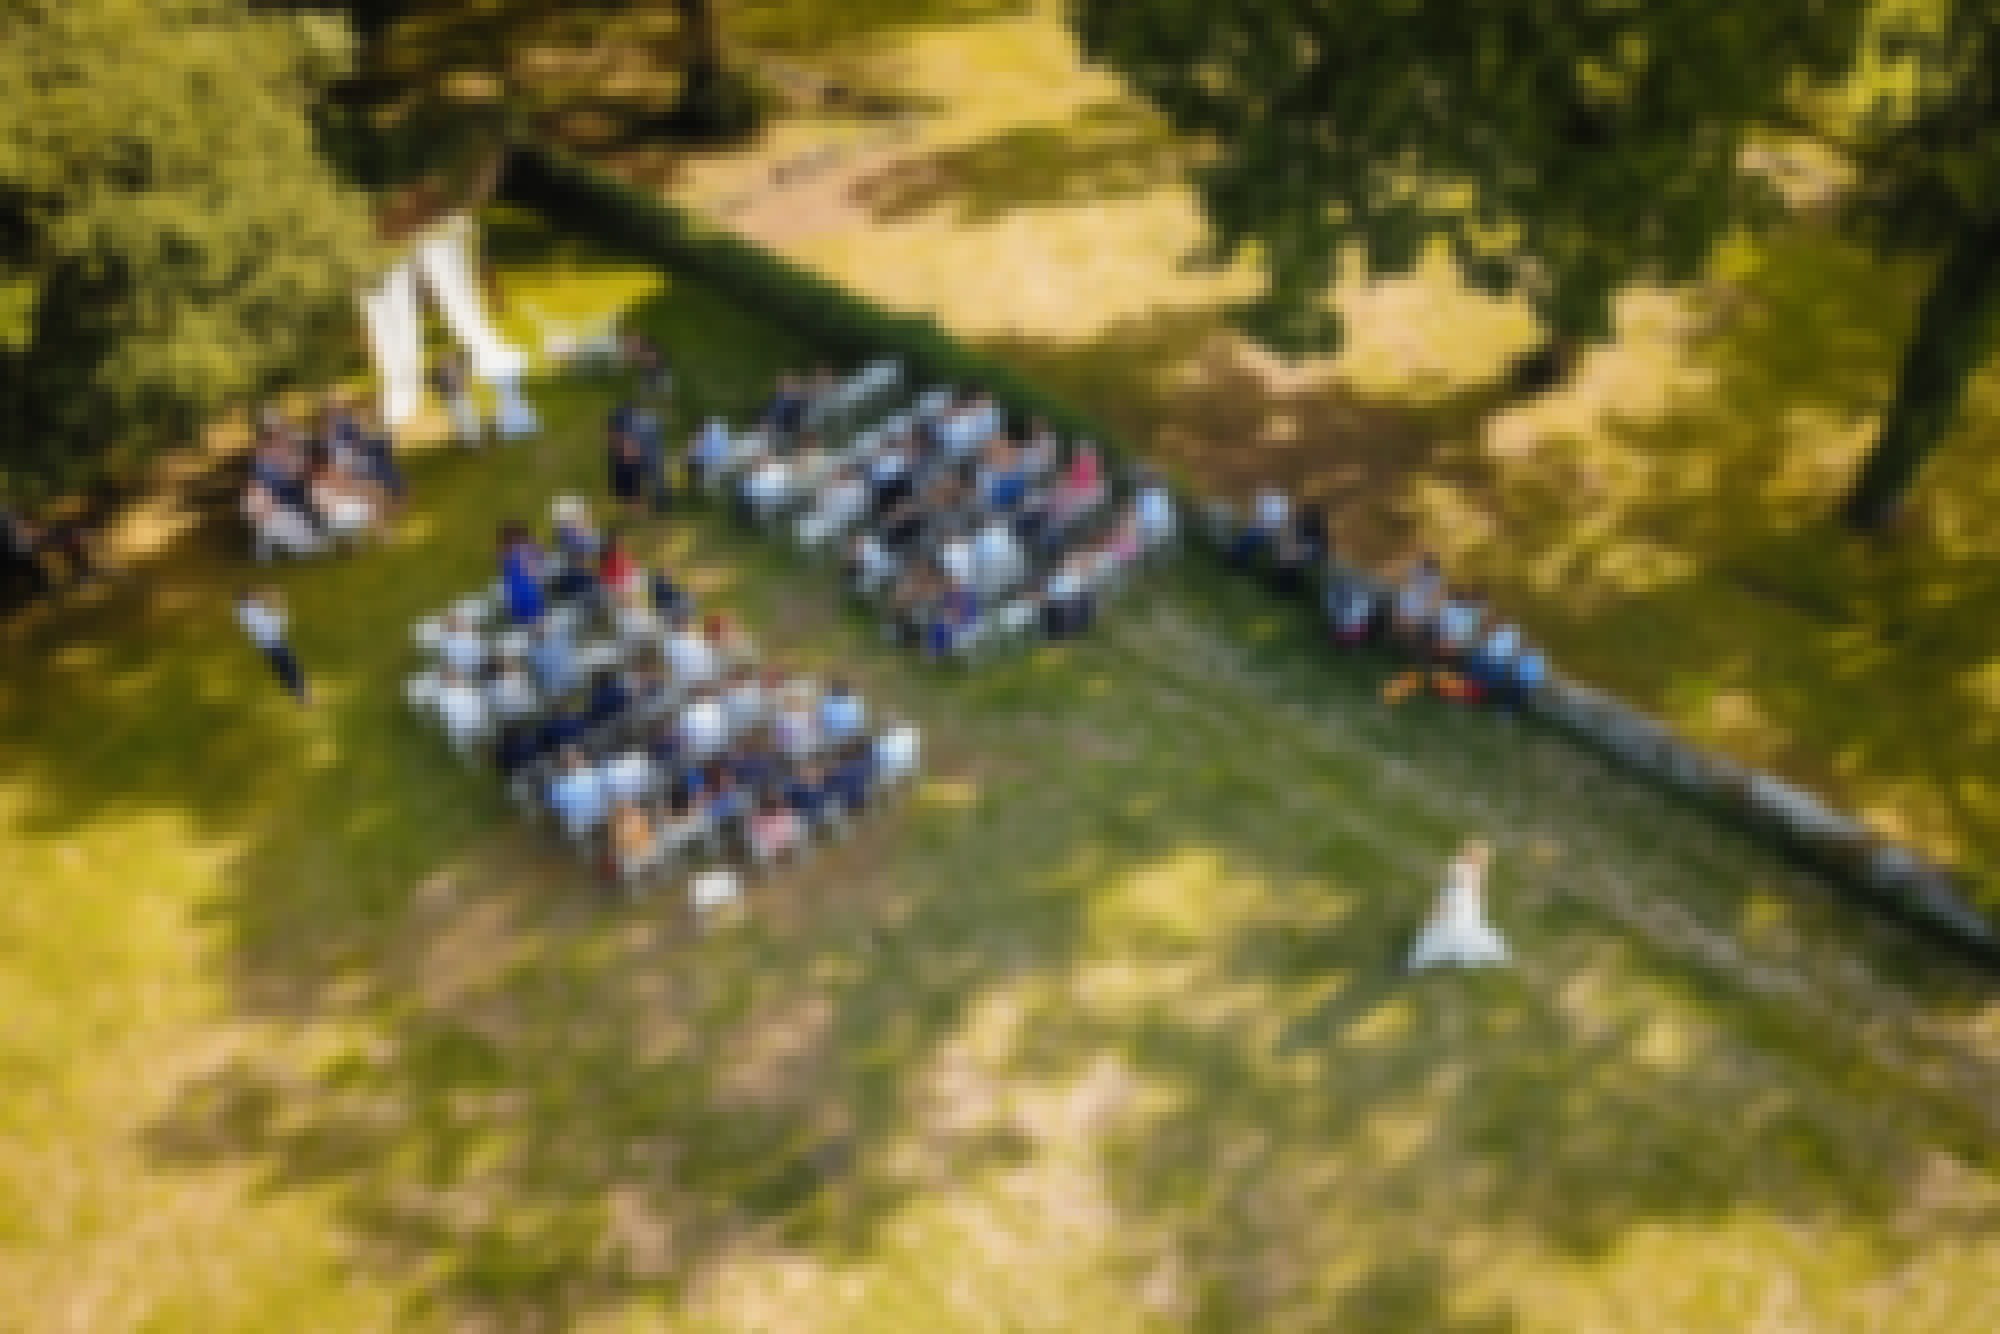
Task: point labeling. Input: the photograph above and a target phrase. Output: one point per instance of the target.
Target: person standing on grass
(262, 616)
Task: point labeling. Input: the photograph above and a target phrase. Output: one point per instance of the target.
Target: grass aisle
(1099, 1030)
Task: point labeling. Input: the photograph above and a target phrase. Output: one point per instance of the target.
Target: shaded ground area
(1659, 520)
(1100, 1030)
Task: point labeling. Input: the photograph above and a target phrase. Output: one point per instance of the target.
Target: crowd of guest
(1472, 651)
(646, 731)
(949, 520)
(310, 489)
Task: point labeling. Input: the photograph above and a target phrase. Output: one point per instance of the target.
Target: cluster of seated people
(308, 492)
(953, 525)
(1474, 652)
(647, 734)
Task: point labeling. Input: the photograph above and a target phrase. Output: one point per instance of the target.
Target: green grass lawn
(1099, 1030)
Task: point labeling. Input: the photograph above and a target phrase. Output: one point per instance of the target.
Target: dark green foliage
(168, 235)
(1556, 150)
(1561, 150)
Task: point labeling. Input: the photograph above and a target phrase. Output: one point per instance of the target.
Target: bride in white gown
(1457, 931)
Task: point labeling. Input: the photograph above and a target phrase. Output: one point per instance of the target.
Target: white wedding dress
(1457, 931)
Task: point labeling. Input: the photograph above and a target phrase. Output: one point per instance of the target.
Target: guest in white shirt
(510, 693)
(996, 556)
(956, 560)
(1156, 514)
(1416, 600)
(703, 725)
(690, 657)
(870, 566)
(1457, 625)
(765, 489)
(842, 713)
(578, 795)
(744, 700)
(262, 616)
(462, 648)
(462, 706)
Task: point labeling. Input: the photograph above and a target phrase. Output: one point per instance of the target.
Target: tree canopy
(1560, 151)
(169, 235)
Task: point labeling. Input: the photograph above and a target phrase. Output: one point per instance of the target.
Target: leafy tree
(1559, 150)
(169, 237)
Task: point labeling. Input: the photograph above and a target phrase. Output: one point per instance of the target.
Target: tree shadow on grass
(1107, 150)
(1125, 957)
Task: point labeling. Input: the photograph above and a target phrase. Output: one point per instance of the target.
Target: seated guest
(845, 500)
(774, 831)
(955, 559)
(744, 700)
(1066, 601)
(462, 706)
(729, 642)
(1270, 512)
(1416, 601)
(553, 659)
(903, 526)
(577, 795)
(894, 755)
(951, 616)
(794, 727)
(563, 727)
(608, 698)
(616, 570)
(344, 506)
(996, 557)
(812, 462)
(842, 714)
(755, 766)
(461, 647)
(628, 775)
(690, 657)
(806, 792)
(703, 725)
(1353, 612)
(522, 570)
(631, 834)
(648, 684)
(869, 566)
(670, 599)
(685, 822)
(723, 799)
(1493, 664)
(1300, 549)
(281, 466)
(764, 490)
(510, 693)
(577, 537)
(1080, 488)
(516, 749)
(786, 412)
(850, 779)
(889, 477)
(1456, 624)
(635, 617)
(277, 526)
(709, 452)
(1157, 523)
(1037, 457)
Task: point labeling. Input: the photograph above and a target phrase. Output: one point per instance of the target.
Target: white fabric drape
(396, 338)
(449, 273)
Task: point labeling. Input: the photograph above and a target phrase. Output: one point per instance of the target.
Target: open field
(1099, 1031)
(1659, 521)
